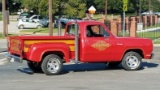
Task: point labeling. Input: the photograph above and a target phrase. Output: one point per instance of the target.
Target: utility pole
(140, 9)
(50, 18)
(149, 7)
(4, 17)
(106, 6)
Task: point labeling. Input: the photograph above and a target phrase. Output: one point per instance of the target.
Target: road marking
(4, 61)
(3, 53)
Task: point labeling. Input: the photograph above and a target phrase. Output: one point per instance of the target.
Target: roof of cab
(84, 21)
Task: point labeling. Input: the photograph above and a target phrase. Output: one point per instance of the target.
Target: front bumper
(149, 56)
(13, 58)
(152, 55)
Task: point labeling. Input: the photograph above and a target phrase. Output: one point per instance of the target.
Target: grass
(42, 30)
(152, 35)
(1, 35)
(0, 17)
(154, 26)
(156, 41)
(109, 16)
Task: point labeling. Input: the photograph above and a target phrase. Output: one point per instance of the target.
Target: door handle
(119, 44)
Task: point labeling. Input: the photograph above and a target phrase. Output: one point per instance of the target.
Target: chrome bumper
(152, 55)
(13, 58)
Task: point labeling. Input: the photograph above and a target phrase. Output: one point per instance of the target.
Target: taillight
(19, 46)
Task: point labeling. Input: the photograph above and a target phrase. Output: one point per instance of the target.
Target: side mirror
(106, 36)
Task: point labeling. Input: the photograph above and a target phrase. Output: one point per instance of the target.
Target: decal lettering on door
(101, 45)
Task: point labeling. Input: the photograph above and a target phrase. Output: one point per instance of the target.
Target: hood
(134, 41)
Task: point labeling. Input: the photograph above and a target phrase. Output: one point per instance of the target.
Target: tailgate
(15, 46)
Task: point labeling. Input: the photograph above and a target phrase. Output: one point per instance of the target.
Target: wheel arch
(20, 26)
(58, 53)
(139, 51)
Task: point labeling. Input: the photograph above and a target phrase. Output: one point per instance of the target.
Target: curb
(31, 33)
(156, 45)
(150, 29)
(2, 53)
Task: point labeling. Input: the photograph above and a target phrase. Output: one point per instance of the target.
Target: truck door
(99, 46)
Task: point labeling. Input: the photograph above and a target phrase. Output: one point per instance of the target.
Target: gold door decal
(101, 45)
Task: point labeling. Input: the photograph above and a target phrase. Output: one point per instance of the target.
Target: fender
(135, 49)
(37, 51)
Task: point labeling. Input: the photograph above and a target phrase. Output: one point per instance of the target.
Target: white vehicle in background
(158, 14)
(36, 18)
(28, 23)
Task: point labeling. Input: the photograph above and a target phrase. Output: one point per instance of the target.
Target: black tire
(21, 27)
(113, 64)
(52, 65)
(132, 61)
(35, 67)
(39, 26)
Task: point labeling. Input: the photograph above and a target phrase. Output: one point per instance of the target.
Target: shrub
(107, 23)
(0, 17)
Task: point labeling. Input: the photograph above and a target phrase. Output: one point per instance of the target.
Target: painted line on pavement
(1, 53)
(3, 61)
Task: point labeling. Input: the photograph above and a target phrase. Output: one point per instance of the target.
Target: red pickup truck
(83, 41)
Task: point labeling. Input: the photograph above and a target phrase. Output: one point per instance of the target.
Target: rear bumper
(13, 58)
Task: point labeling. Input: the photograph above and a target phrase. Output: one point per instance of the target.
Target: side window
(71, 29)
(96, 31)
(105, 33)
(40, 17)
(35, 17)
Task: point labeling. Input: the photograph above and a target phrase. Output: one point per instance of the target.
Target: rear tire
(21, 27)
(52, 65)
(132, 61)
(113, 64)
(35, 67)
(39, 26)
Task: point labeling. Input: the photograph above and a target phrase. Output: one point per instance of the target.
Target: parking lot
(83, 77)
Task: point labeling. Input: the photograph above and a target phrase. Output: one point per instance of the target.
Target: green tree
(155, 5)
(60, 7)
(114, 6)
(74, 8)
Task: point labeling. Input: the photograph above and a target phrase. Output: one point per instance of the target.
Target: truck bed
(19, 44)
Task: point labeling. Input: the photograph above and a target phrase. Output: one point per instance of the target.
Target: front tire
(21, 27)
(52, 65)
(132, 61)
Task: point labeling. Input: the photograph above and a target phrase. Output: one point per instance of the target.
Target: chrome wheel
(132, 62)
(53, 65)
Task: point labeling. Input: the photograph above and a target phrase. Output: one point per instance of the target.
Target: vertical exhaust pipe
(76, 43)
